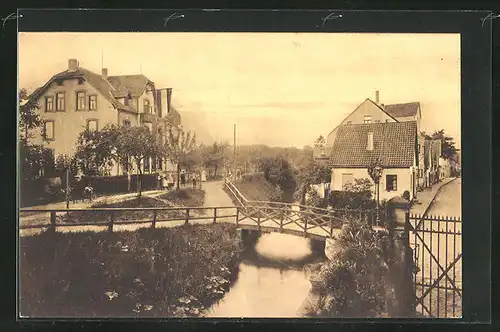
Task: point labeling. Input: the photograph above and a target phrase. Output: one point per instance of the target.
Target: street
(448, 201)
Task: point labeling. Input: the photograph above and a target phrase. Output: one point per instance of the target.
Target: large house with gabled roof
(77, 99)
(392, 144)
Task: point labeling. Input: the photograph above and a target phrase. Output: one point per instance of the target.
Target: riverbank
(149, 272)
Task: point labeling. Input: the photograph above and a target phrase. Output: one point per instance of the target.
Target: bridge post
(305, 227)
(215, 215)
(237, 214)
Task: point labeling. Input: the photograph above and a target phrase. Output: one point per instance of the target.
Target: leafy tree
(359, 186)
(311, 173)
(31, 156)
(319, 142)
(178, 146)
(358, 281)
(216, 155)
(132, 146)
(95, 149)
(278, 171)
(29, 118)
(448, 149)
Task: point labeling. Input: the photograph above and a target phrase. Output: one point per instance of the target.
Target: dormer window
(369, 145)
(147, 107)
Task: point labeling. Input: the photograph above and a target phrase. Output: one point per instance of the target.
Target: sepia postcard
(248, 175)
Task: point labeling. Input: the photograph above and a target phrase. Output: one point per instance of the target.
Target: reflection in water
(264, 290)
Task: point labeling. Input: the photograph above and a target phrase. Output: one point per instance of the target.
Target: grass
(257, 189)
(188, 197)
(143, 202)
(150, 272)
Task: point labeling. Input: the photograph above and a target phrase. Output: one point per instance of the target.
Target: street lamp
(375, 171)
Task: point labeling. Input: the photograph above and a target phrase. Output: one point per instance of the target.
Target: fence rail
(437, 248)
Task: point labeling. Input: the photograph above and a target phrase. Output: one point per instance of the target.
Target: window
(93, 102)
(160, 164)
(368, 119)
(147, 107)
(60, 101)
(153, 164)
(146, 164)
(48, 130)
(92, 125)
(348, 122)
(376, 121)
(391, 182)
(80, 101)
(126, 123)
(49, 104)
(347, 178)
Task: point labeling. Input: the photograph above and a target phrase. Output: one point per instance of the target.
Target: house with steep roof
(392, 144)
(77, 99)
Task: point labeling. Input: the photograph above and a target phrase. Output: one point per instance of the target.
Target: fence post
(153, 224)
(305, 227)
(281, 220)
(187, 217)
(111, 221)
(215, 215)
(52, 221)
(237, 215)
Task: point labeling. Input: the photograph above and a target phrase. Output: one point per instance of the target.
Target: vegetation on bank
(362, 279)
(188, 197)
(149, 272)
(177, 198)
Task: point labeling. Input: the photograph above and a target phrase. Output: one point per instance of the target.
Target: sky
(280, 89)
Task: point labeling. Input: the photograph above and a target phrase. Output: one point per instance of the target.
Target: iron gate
(437, 277)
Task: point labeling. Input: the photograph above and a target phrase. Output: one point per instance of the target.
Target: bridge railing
(369, 216)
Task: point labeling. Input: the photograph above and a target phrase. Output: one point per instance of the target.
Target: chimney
(105, 73)
(377, 97)
(72, 65)
(369, 146)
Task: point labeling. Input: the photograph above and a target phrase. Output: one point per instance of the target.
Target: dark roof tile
(403, 110)
(393, 144)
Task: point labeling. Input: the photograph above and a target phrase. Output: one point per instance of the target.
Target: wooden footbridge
(300, 220)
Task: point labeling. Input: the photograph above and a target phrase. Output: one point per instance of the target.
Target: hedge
(119, 184)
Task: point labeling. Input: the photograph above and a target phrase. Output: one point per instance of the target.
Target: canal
(273, 279)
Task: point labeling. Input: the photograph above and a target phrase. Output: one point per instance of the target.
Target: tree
(278, 171)
(95, 149)
(132, 146)
(178, 146)
(31, 156)
(448, 149)
(216, 155)
(319, 142)
(29, 118)
(311, 173)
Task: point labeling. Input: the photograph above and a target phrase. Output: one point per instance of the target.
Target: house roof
(394, 144)
(100, 84)
(366, 100)
(125, 84)
(402, 110)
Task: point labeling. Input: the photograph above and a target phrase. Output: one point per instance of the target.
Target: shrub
(250, 177)
(358, 281)
(185, 197)
(406, 195)
(146, 271)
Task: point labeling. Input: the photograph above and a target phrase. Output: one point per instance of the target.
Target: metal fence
(437, 248)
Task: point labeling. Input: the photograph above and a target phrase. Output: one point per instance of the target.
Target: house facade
(393, 144)
(78, 99)
(376, 112)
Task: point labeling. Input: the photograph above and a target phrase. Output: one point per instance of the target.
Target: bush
(249, 177)
(105, 185)
(141, 273)
(358, 281)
